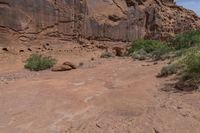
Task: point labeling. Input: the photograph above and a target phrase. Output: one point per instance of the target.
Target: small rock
(98, 125)
(67, 63)
(156, 131)
(21, 51)
(5, 49)
(29, 49)
(92, 59)
(61, 68)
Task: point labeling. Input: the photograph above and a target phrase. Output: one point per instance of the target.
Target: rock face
(112, 20)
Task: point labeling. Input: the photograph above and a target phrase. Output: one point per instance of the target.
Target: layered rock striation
(111, 20)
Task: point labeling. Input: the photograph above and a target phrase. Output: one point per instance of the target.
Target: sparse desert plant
(186, 40)
(186, 50)
(192, 63)
(140, 55)
(160, 54)
(191, 71)
(38, 62)
(168, 70)
(188, 67)
(106, 54)
(152, 49)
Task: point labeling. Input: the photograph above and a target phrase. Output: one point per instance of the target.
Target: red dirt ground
(116, 95)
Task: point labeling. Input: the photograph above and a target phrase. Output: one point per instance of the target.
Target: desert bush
(187, 66)
(140, 55)
(149, 48)
(192, 62)
(106, 54)
(186, 60)
(38, 62)
(191, 72)
(186, 40)
(168, 70)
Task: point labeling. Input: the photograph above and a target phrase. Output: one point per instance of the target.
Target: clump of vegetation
(168, 70)
(183, 50)
(145, 49)
(106, 54)
(38, 62)
(190, 73)
(192, 61)
(140, 55)
(186, 40)
(192, 67)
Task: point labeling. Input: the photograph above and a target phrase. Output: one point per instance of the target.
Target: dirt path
(113, 96)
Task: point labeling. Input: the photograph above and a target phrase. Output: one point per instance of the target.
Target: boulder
(61, 68)
(67, 63)
(66, 66)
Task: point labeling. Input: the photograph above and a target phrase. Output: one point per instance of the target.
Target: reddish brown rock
(112, 20)
(119, 51)
(67, 63)
(61, 68)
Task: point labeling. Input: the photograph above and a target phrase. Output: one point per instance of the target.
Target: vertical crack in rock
(122, 10)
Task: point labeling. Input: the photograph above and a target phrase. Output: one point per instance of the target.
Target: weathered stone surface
(116, 20)
(66, 66)
(67, 63)
(60, 68)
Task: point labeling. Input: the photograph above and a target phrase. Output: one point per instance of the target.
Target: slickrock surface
(114, 96)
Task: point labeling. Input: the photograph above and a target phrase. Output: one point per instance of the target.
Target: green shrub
(188, 67)
(186, 60)
(152, 49)
(140, 55)
(106, 54)
(192, 62)
(160, 54)
(176, 65)
(191, 71)
(38, 62)
(186, 40)
(147, 45)
(168, 70)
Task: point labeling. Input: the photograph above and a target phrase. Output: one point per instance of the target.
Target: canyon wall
(112, 20)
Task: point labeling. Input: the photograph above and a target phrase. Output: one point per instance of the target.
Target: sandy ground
(116, 95)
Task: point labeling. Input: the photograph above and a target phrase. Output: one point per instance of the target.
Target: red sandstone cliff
(116, 20)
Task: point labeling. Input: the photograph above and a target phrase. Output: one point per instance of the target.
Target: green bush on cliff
(186, 40)
(38, 62)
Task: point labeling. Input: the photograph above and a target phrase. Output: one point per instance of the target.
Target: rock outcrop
(112, 20)
(66, 66)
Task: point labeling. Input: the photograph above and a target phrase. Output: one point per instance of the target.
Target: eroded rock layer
(115, 20)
